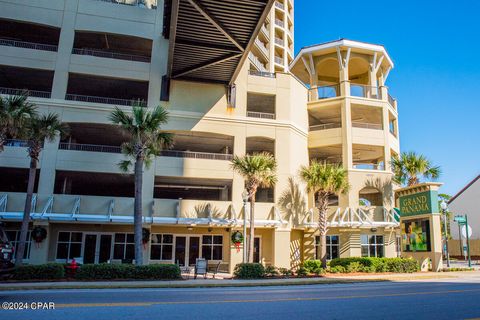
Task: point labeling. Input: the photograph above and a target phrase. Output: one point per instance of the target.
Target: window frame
(376, 244)
(329, 246)
(69, 244)
(212, 245)
(161, 245)
(124, 243)
(28, 247)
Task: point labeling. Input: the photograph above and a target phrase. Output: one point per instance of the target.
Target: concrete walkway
(329, 279)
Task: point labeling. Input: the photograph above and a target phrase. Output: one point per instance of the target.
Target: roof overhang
(209, 40)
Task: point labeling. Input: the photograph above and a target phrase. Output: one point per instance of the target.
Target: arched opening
(260, 144)
(328, 78)
(369, 197)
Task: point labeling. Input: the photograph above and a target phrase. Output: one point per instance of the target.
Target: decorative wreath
(39, 234)
(237, 239)
(145, 236)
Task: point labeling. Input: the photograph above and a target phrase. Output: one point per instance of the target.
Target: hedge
(249, 271)
(355, 264)
(106, 271)
(49, 271)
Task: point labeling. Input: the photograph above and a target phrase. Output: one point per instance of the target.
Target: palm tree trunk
(138, 214)
(26, 212)
(322, 203)
(251, 240)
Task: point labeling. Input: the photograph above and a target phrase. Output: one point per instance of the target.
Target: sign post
(468, 242)
(466, 232)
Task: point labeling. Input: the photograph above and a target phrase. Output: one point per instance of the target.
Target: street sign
(464, 233)
(459, 219)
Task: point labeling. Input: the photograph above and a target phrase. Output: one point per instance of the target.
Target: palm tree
(323, 179)
(37, 130)
(410, 166)
(14, 112)
(259, 171)
(145, 140)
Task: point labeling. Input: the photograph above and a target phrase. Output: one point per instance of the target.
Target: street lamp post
(245, 200)
(443, 205)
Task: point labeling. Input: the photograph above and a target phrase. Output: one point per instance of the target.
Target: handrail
(28, 45)
(106, 100)
(30, 93)
(369, 166)
(317, 127)
(257, 62)
(364, 125)
(196, 155)
(391, 100)
(278, 60)
(261, 73)
(265, 31)
(148, 4)
(89, 147)
(280, 23)
(324, 92)
(112, 55)
(279, 41)
(262, 115)
(279, 5)
(365, 91)
(262, 46)
(16, 143)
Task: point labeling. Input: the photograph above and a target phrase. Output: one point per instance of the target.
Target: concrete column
(48, 161)
(65, 45)
(386, 134)
(281, 248)
(147, 189)
(146, 248)
(344, 82)
(158, 63)
(236, 257)
(39, 251)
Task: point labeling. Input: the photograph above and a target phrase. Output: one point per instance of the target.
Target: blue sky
(436, 78)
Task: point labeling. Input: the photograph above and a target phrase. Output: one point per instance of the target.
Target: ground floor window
(372, 245)
(14, 237)
(212, 247)
(333, 244)
(161, 247)
(124, 246)
(69, 245)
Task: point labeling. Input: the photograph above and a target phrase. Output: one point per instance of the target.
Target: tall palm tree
(14, 112)
(37, 130)
(259, 171)
(410, 167)
(323, 179)
(145, 140)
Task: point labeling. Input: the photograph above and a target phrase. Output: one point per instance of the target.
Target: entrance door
(105, 248)
(256, 250)
(193, 250)
(180, 250)
(187, 250)
(90, 248)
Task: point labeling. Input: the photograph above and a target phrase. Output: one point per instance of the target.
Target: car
(6, 254)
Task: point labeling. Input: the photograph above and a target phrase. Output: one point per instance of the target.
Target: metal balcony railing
(369, 166)
(279, 5)
(89, 147)
(111, 55)
(105, 100)
(278, 60)
(317, 127)
(262, 115)
(391, 100)
(279, 41)
(265, 31)
(364, 125)
(261, 73)
(28, 45)
(16, 143)
(364, 91)
(261, 46)
(256, 62)
(196, 155)
(149, 4)
(279, 23)
(30, 93)
(324, 92)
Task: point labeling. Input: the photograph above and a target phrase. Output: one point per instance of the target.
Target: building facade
(81, 58)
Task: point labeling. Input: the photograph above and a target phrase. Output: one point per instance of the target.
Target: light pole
(443, 205)
(245, 199)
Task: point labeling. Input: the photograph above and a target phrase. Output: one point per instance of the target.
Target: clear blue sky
(436, 79)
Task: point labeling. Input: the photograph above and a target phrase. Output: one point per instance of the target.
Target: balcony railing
(364, 91)
(391, 100)
(261, 46)
(261, 73)
(317, 127)
(369, 166)
(111, 55)
(265, 31)
(89, 147)
(262, 115)
(30, 93)
(279, 23)
(279, 5)
(105, 100)
(324, 92)
(196, 155)
(256, 62)
(28, 45)
(149, 4)
(374, 126)
(278, 60)
(279, 41)
(16, 143)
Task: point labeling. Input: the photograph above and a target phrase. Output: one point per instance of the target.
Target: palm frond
(258, 169)
(125, 165)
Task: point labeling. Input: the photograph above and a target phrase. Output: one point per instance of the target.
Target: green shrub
(302, 272)
(285, 272)
(337, 269)
(49, 271)
(401, 265)
(397, 265)
(311, 265)
(249, 271)
(319, 271)
(128, 271)
(355, 267)
(271, 271)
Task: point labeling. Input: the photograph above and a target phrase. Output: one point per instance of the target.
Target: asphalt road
(432, 299)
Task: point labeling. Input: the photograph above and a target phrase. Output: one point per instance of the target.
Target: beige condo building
(81, 58)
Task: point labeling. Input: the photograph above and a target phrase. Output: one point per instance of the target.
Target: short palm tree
(323, 179)
(14, 112)
(145, 139)
(36, 131)
(259, 171)
(410, 167)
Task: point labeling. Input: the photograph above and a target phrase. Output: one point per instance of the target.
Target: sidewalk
(202, 283)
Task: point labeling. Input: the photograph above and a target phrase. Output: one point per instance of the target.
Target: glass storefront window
(212, 247)
(372, 245)
(333, 243)
(69, 245)
(161, 247)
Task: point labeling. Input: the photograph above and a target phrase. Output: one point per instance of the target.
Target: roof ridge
(464, 188)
